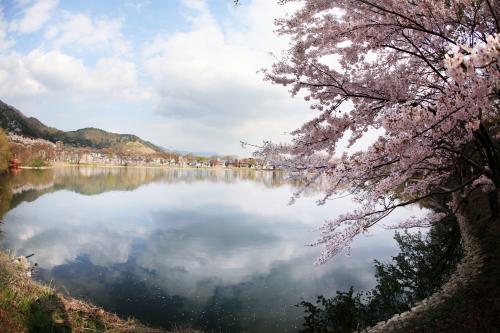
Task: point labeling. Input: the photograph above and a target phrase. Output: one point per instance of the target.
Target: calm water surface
(219, 250)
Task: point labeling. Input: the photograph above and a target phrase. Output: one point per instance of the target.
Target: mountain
(13, 120)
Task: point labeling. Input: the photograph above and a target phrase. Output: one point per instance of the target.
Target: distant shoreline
(67, 165)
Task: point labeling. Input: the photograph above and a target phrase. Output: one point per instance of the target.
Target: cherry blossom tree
(423, 73)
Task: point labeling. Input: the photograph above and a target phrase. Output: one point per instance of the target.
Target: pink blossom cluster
(29, 142)
(426, 73)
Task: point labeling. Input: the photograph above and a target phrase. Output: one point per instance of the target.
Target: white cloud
(41, 72)
(187, 246)
(137, 6)
(208, 76)
(81, 30)
(54, 70)
(5, 41)
(195, 4)
(34, 16)
(15, 78)
(209, 71)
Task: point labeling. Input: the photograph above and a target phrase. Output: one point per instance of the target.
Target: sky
(182, 74)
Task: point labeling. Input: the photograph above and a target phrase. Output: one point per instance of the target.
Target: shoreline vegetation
(39, 153)
(29, 306)
(97, 165)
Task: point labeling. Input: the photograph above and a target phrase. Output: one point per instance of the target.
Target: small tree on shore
(425, 74)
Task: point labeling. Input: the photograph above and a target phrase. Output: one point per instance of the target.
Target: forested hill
(13, 120)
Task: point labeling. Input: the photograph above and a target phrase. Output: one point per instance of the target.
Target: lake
(220, 250)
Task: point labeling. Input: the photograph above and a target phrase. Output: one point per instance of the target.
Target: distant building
(14, 164)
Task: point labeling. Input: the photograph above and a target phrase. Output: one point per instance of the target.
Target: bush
(37, 163)
(424, 263)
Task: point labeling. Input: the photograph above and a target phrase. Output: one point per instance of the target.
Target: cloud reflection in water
(217, 249)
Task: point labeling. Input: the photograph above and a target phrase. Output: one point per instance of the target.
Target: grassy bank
(27, 306)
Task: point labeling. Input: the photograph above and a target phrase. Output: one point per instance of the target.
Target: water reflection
(216, 249)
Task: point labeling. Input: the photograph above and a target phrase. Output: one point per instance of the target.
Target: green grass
(36, 163)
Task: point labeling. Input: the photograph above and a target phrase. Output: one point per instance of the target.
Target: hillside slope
(13, 120)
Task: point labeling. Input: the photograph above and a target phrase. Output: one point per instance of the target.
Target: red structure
(14, 164)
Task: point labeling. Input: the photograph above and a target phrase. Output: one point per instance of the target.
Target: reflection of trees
(91, 181)
(28, 185)
(5, 196)
(221, 314)
(270, 179)
(23, 186)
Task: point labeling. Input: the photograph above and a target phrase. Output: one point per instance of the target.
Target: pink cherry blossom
(425, 73)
